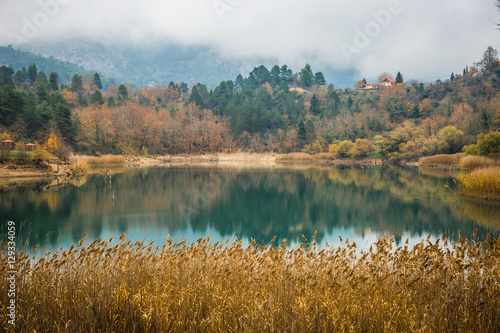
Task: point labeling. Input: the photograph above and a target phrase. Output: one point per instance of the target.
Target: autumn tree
(450, 140)
(489, 56)
(384, 76)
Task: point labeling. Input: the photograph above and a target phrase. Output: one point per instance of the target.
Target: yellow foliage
(52, 144)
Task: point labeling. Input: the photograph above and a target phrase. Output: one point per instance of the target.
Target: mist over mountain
(151, 64)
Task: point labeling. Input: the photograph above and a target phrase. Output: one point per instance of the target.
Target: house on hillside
(370, 86)
(8, 145)
(388, 83)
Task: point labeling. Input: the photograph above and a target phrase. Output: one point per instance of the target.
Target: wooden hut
(29, 147)
(7, 145)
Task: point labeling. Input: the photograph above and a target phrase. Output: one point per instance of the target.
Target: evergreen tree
(97, 81)
(306, 77)
(315, 105)
(399, 78)
(32, 74)
(41, 79)
(452, 77)
(76, 83)
(111, 102)
(196, 97)
(286, 73)
(11, 105)
(122, 92)
(97, 98)
(302, 134)
(54, 81)
(6, 76)
(21, 76)
(41, 94)
(239, 81)
(319, 79)
(62, 116)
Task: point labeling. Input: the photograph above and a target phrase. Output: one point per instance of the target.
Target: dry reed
(107, 160)
(204, 287)
(472, 162)
(481, 183)
(304, 157)
(441, 160)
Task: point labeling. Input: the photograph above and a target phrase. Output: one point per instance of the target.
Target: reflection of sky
(137, 232)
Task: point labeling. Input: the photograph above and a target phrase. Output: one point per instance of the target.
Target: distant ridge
(18, 59)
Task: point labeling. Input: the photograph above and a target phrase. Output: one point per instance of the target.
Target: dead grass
(442, 160)
(481, 183)
(472, 162)
(107, 160)
(204, 287)
(304, 157)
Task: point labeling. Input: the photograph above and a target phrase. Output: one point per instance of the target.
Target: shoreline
(12, 171)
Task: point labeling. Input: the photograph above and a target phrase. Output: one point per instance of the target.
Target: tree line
(267, 110)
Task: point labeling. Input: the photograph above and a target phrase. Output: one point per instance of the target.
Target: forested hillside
(268, 110)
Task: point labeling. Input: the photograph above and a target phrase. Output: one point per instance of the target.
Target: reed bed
(204, 287)
(441, 160)
(107, 160)
(481, 183)
(472, 162)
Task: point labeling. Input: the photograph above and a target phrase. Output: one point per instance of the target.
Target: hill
(18, 59)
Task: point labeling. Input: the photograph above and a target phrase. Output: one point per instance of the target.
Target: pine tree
(302, 134)
(315, 105)
(306, 76)
(62, 116)
(122, 92)
(196, 97)
(76, 83)
(54, 81)
(97, 98)
(97, 81)
(319, 79)
(32, 74)
(399, 78)
(6, 76)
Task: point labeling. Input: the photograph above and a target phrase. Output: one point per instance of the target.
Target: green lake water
(225, 202)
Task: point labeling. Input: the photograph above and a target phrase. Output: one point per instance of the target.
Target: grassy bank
(481, 183)
(441, 160)
(133, 287)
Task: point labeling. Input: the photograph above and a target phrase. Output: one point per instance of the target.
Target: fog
(423, 39)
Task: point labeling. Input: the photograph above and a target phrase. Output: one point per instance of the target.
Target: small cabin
(29, 147)
(387, 83)
(7, 145)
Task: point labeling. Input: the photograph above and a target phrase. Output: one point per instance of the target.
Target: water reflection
(221, 202)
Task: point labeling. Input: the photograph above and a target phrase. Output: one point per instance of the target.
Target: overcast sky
(424, 39)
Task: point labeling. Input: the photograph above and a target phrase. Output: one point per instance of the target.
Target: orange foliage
(131, 126)
(70, 97)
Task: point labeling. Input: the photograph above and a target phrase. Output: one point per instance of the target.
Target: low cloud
(422, 39)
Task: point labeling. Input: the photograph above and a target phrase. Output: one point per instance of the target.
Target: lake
(259, 202)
